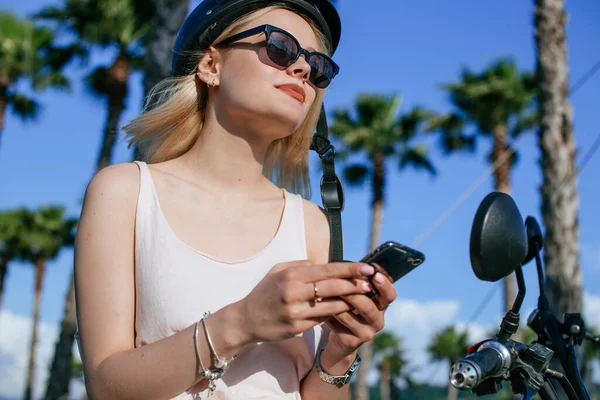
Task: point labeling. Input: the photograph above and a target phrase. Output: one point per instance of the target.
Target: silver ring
(317, 298)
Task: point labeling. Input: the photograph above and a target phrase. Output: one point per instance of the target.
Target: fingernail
(367, 270)
(378, 278)
(366, 287)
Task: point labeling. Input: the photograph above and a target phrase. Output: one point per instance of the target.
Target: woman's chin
(291, 115)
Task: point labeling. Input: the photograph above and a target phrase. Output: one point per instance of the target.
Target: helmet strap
(332, 191)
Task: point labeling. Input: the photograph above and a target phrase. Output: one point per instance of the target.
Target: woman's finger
(320, 309)
(355, 323)
(339, 270)
(335, 288)
(386, 292)
(363, 306)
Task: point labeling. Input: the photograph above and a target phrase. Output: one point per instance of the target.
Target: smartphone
(393, 260)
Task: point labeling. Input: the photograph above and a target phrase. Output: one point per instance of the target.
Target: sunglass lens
(321, 71)
(281, 49)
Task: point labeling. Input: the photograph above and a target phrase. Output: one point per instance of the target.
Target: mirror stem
(521, 285)
(510, 322)
(542, 300)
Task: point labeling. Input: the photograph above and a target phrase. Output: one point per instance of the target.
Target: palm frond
(453, 142)
(374, 127)
(492, 97)
(51, 13)
(410, 123)
(24, 107)
(417, 157)
(356, 174)
(55, 79)
(525, 122)
(97, 81)
(342, 122)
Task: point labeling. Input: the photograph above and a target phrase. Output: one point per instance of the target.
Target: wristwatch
(339, 380)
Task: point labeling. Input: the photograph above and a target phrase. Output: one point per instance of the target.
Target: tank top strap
(292, 229)
(146, 214)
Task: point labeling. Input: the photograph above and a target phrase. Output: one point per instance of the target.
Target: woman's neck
(227, 161)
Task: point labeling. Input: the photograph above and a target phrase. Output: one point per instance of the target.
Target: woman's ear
(209, 67)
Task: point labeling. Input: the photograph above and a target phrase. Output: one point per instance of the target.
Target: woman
(201, 228)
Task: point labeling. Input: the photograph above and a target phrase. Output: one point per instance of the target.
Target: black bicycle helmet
(211, 17)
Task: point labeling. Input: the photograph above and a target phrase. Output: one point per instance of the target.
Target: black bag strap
(332, 192)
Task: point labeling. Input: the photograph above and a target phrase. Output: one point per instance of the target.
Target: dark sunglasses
(284, 50)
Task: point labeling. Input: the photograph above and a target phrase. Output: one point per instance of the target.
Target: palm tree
(375, 130)
(122, 26)
(449, 345)
(45, 232)
(167, 17)
(26, 55)
(11, 230)
(108, 24)
(560, 198)
(496, 104)
(387, 348)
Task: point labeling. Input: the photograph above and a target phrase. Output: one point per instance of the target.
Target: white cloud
(416, 322)
(422, 315)
(15, 336)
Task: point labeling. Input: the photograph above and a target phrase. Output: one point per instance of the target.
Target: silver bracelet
(203, 374)
(221, 364)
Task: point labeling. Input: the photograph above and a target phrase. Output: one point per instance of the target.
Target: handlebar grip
(476, 367)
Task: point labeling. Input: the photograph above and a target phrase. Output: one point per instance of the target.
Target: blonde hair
(173, 116)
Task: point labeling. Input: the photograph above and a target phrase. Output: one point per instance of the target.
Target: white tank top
(176, 284)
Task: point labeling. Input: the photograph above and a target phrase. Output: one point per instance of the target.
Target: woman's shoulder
(316, 226)
(116, 177)
(117, 184)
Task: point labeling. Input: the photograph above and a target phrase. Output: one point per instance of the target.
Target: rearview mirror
(498, 241)
(535, 238)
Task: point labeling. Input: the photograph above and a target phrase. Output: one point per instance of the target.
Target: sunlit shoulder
(117, 185)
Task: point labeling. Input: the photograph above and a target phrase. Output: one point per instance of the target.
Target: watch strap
(337, 380)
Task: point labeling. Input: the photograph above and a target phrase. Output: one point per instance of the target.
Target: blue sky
(387, 46)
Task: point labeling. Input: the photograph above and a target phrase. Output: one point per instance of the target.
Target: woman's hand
(295, 296)
(350, 329)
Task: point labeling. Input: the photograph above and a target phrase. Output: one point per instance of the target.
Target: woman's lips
(294, 91)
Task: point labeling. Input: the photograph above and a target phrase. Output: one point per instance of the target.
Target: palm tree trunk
(384, 380)
(378, 185)
(502, 184)
(3, 271)
(560, 198)
(40, 267)
(60, 372)
(117, 93)
(452, 391)
(170, 15)
(377, 204)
